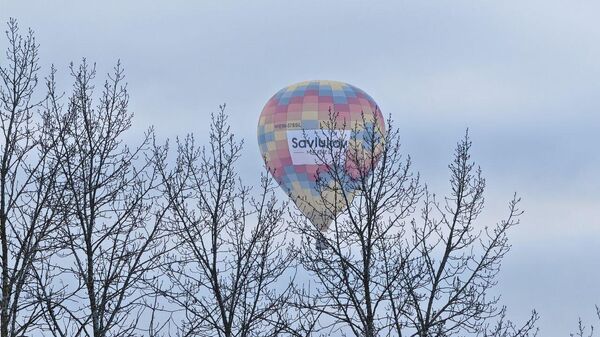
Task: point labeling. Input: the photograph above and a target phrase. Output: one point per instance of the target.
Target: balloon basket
(321, 243)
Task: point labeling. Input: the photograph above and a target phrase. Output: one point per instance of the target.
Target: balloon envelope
(302, 120)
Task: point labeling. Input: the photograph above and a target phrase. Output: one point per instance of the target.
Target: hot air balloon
(300, 125)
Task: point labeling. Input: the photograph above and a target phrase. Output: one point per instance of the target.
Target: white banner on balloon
(304, 144)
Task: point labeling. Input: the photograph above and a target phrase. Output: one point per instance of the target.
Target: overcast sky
(524, 76)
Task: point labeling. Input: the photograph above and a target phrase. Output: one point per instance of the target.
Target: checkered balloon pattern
(292, 119)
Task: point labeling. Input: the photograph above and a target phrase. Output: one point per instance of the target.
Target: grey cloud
(523, 76)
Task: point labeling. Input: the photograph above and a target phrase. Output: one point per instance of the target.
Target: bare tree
(28, 183)
(384, 273)
(228, 270)
(502, 327)
(457, 260)
(111, 235)
(584, 330)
